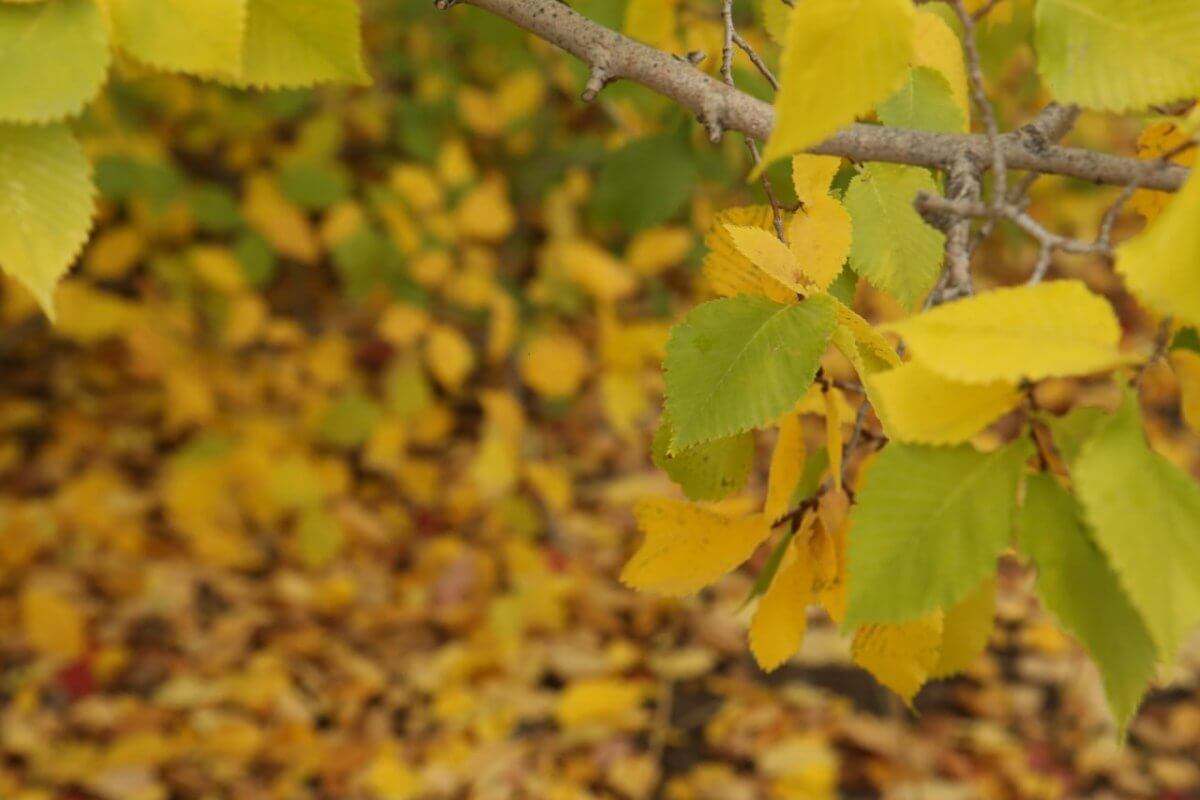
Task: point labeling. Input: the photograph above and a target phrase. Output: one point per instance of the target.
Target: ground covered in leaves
(320, 487)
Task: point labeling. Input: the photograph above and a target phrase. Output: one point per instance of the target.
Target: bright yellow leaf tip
(1161, 265)
(862, 47)
(688, 547)
(937, 47)
(1025, 332)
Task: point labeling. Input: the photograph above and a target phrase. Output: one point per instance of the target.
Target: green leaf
(708, 471)
(298, 43)
(927, 528)
(45, 206)
(1077, 586)
(55, 58)
(313, 186)
(740, 362)
(645, 182)
(893, 248)
(1119, 55)
(1186, 339)
(1145, 514)
(1071, 430)
(202, 37)
(925, 102)
(348, 420)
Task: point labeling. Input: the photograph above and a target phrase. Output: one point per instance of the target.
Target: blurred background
(320, 485)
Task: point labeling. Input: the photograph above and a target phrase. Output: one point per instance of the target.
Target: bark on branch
(612, 56)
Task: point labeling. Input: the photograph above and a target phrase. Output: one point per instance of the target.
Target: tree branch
(614, 56)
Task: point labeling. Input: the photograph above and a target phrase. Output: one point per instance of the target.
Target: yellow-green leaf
(53, 59)
(966, 628)
(688, 547)
(299, 43)
(863, 47)
(1026, 332)
(1119, 55)
(924, 407)
(936, 46)
(45, 206)
(1160, 264)
(202, 37)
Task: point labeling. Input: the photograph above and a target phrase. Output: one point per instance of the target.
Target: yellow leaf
(819, 237)
(923, 407)
(53, 624)
(868, 341)
(778, 626)
(449, 357)
(654, 250)
(600, 701)
(730, 273)
(901, 655)
(863, 47)
(112, 254)
(1186, 364)
(554, 365)
(203, 37)
(1026, 332)
(828, 546)
(1160, 264)
(592, 269)
(812, 175)
(654, 22)
(484, 212)
(787, 465)
(217, 267)
(688, 547)
(966, 629)
(937, 46)
(833, 434)
(389, 778)
(279, 220)
(89, 315)
(401, 325)
(1154, 142)
(765, 251)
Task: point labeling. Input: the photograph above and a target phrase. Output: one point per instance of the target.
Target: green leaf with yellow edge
(779, 623)
(1077, 585)
(1058, 328)
(925, 102)
(893, 248)
(741, 362)
(1119, 55)
(300, 43)
(863, 47)
(55, 58)
(1144, 513)
(928, 526)
(726, 270)
(687, 547)
(900, 655)
(966, 629)
(922, 407)
(202, 37)
(708, 471)
(788, 460)
(46, 206)
(1159, 264)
